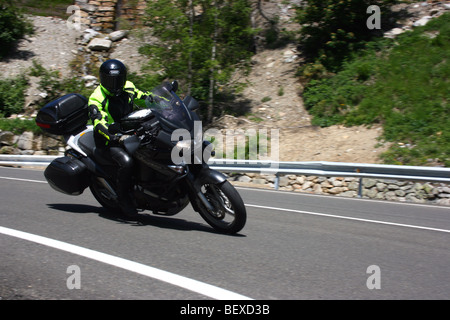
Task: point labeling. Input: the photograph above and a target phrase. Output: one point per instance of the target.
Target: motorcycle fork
(195, 182)
(195, 192)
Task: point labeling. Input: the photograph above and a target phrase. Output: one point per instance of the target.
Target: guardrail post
(277, 181)
(360, 187)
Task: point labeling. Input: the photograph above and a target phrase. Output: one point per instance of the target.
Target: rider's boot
(127, 206)
(126, 202)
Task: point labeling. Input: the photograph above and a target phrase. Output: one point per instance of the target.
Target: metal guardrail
(316, 168)
(22, 160)
(335, 169)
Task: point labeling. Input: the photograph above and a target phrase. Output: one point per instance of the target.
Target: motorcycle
(170, 159)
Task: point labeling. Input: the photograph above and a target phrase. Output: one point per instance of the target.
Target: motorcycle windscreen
(169, 109)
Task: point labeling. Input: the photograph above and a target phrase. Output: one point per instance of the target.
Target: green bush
(55, 86)
(12, 92)
(13, 27)
(404, 86)
(333, 29)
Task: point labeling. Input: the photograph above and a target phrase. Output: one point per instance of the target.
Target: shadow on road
(144, 219)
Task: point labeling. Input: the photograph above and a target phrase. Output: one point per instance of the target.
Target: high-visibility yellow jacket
(105, 109)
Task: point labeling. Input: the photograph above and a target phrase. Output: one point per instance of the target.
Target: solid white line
(168, 277)
(26, 180)
(348, 218)
(346, 198)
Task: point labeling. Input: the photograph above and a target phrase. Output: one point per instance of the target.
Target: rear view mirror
(191, 103)
(175, 86)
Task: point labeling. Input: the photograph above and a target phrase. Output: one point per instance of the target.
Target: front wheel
(227, 211)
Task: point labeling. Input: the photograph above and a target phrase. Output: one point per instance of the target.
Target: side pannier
(64, 116)
(67, 175)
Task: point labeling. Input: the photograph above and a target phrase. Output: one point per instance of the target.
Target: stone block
(100, 44)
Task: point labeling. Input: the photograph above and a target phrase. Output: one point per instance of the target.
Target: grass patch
(402, 84)
(54, 8)
(19, 126)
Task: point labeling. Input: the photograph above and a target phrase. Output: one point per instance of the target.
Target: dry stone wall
(378, 189)
(28, 143)
(107, 15)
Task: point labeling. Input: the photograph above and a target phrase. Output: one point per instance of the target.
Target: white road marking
(348, 218)
(165, 276)
(26, 180)
(339, 198)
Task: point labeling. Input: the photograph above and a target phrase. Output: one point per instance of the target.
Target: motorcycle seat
(87, 143)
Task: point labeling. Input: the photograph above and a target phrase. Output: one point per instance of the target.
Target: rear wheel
(227, 211)
(104, 193)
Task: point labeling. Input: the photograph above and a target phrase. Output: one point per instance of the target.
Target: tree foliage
(200, 42)
(333, 29)
(13, 26)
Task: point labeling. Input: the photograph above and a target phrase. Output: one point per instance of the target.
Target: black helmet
(113, 76)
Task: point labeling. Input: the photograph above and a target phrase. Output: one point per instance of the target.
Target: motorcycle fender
(205, 176)
(209, 176)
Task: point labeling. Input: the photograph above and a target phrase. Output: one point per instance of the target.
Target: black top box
(65, 115)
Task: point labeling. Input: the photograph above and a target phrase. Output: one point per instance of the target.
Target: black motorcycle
(171, 168)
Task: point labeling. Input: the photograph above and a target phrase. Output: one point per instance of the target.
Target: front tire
(229, 214)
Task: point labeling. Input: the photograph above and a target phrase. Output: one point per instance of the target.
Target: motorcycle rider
(113, 99)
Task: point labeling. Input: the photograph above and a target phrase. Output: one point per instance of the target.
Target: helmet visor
(113, 83)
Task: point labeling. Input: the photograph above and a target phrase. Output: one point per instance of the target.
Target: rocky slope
(272, 95)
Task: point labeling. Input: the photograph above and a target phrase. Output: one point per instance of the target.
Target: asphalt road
(294, 247)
